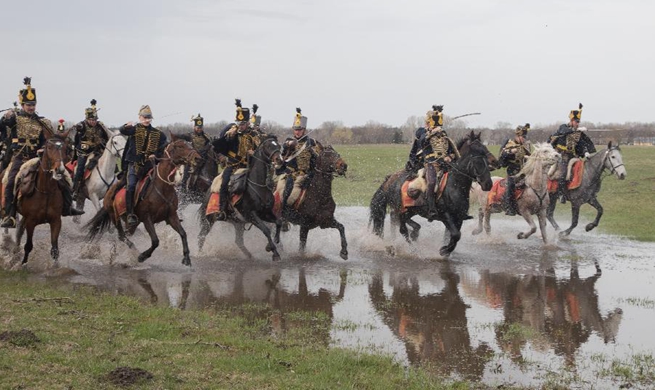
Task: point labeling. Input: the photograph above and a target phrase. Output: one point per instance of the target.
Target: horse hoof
(269, 248)
(344, 254)
(142, 258)
(564, 233)
(76, 219)
(520, 236)
(589, 227)
(276, 257)
(476, 232)
(444, 252)
(186, 261)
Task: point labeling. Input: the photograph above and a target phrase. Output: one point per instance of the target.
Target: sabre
(462, 116)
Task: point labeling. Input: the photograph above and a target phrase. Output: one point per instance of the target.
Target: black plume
(527, 125)
(237, 102)
(298, 110)
(580, 106)
(93, 102)
(437, 108)
(27, 80)
(255, 107)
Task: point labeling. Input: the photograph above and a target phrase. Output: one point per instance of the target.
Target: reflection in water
(432, 326)
(551, 313)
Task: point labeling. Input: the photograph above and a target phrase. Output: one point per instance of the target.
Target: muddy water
(500, 310)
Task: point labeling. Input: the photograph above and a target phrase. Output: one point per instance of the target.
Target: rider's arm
(127, 129)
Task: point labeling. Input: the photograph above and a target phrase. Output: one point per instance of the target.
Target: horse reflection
(560, 314)
(432, 326)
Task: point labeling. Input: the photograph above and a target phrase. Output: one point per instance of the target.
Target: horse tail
(98, 224)
(200, 214)
(378, 210)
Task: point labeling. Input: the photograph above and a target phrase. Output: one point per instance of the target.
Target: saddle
(71, 166)
(495, 196)
(413, 188)
(120, 205)
(575, 171)
(297, 196)
(236, 188)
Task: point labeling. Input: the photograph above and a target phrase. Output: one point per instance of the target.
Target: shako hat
(27, 95)
(576, 114)
(522, 130)
(145, 111)
(255, 120)
(299, 121)
(91, 112)
(198, 121)
(243, 113)
(434, 117)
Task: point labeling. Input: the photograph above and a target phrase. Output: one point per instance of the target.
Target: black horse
(256, 204)
(452, 207)
(200, 179)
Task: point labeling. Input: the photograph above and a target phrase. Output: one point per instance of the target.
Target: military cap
(255, 120)
(198, 121)
(91, 112)
(27, 95)
(299, 121)
(434, 117)
(576, 114)
(522, 130)
(243, 113)
(145, 111)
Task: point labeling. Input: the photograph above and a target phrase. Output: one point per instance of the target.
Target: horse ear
(609, 145)
(479, 136)
(173, 137)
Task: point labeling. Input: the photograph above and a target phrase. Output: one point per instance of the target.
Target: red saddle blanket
(71, 166)
(120, 205)
(498, 191)
(277, 206)
(408, 201)
(576, 178)
(214, 201)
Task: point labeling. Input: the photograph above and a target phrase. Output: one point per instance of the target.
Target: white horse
(535, 199)
(103, 175)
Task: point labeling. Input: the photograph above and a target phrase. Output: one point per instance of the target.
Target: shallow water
(499, 310)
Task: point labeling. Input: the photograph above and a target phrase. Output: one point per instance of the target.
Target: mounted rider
(201, 142)
(237, 142)
(512, 156)
(27, 132)
(415, 160)
(91, 136)
(144, 144)
(570, 142)
(438, 151)
(299, 154)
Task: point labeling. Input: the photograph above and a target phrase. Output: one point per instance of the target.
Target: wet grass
(639, 302)
(636, 371)
(88, 339)
(629, 205)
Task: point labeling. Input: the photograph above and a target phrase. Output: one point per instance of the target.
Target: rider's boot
(9, 221)
(563, 190)
(432, 206)
(132, 219)
(67, 194)
(222, 206)
(509, 203)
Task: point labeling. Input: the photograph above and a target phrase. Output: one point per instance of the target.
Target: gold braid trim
(246, 143)
(147, 142)
(572, 141)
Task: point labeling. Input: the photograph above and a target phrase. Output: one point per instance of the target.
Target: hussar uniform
(90, 142)
(512, 156)
(436, 146)
(201, 143)
(142, 142)
(570, 143)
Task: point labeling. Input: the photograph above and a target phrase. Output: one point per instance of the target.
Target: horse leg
(121, 234)
(453, 229)
(478, 230)
(205, 227)
(575, 214)
(154, 240)
(599, 213)
(551, 210)
(79, 202)
(175, 223)
(542, 224)
(304, 232)
(403, 227)
(487, 219)
(55, 228)
(20, 230)
(28, 244)
(238, 239)
(525, 213)
(267, 232)
(416, 228)
(344, 244)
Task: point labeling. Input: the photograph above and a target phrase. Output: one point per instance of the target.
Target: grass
(629, 205)
(83, 335)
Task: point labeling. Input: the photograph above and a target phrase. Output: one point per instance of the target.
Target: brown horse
(44, 202)
(158, 204)
(317, 210)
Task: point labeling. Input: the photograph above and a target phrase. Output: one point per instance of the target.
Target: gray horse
(608, 159)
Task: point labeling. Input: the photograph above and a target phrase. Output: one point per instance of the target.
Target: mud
(499, 310)
(127, 376)
(21, 338)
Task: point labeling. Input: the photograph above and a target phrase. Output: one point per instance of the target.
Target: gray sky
(354, 61)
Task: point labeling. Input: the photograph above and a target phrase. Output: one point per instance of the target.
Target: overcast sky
(353, 61)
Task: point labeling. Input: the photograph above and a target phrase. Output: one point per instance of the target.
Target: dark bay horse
(256, 203)
(452, 206)
(200, 179)
(609, 159)
(44, 202)
(158, 204)
(317, 210)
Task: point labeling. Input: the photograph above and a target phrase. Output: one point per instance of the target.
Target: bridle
(168, 157)
(607, 157)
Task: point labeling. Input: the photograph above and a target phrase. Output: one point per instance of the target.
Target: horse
(594, 166)
(42, 201)
(452, 206)
(534, 198)
(317, 210)
(157, 204)
(256, 203)
(200, 181)
(103, 175)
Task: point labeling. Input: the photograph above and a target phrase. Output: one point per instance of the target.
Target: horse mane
(469, 137)
(539, 149)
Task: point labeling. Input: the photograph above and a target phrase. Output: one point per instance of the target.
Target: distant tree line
(335, 132)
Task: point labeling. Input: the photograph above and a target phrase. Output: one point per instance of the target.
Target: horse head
(614, 161)
(179, 152)
(477, 159)
(545, 152)
(116, 144)
(54, 156)
(329, 161)
(269, 151)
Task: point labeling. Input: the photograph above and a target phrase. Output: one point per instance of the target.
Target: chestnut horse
(317, 210)
(44, 203)
(158, 204)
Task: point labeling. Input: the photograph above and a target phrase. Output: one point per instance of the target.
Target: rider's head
(575, 116)
(434, 117)
(522, 132)
(198, 124)
(145, 115)
(27, 96)
(91, 114)
(299, 124)
(242, 116)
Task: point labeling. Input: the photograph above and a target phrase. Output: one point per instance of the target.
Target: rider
(415, 160)
(91, 136)
(201, 143)
(570, 142)
(26, 130)
(438, 151)
(237, 142)
(512, 155)
(144, 144)
(299, 154)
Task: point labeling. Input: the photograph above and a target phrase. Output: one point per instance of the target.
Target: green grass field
(629, 205)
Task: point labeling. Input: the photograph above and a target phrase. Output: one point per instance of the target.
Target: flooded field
(577, 312)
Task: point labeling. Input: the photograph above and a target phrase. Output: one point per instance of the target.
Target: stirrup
(8, 222)
(562, 199)
(132, 220)
(221, 216)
